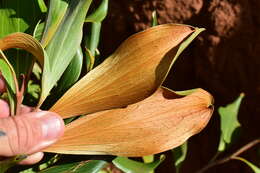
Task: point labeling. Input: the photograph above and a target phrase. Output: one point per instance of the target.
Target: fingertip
(32, 159)
(4, 109)
(53, 125)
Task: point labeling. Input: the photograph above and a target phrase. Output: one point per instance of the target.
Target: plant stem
(230, 157)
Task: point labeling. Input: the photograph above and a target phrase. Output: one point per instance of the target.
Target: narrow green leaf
(57, 9)
(38, 31)
(92, 42)
(131, 166)
(69, 77)
(90, 59)
(32, 93)
(99, 14)
(179, 155)
(92, 39)
(42, 6)
(63, 45)
(148, 159)
(154, 19)
(72, 73)
(183, 46)
(229, 122)
(251, 165)
(92, 166)
(6, 164)
(10, 78)
(185, 92)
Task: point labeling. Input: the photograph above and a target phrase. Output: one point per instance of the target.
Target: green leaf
(32, 93)
(90, 59)
(57, 10)
(93, 38)
(99, 14)
(251, 165)
(10, 78)
(38, 31)
(179, 155)
(69, 77)
(63, 45)
(18, 16)
(6, 164)
(154, 19)
(15, 16)
(184, 45)
(229, 122)
(42, 6)
(131, 166)
(72, 73)
(92, 166)
(148, 159)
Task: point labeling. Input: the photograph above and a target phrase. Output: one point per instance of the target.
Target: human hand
(28, 132)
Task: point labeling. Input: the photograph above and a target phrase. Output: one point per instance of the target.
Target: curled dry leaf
(136, 69)
(23, 41)
(158, 123)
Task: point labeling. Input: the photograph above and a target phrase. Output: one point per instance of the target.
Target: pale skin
(27, 133)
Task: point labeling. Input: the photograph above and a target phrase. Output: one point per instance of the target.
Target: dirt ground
(224, 60)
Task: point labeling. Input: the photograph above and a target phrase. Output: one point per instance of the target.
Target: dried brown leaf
(161, 122)
(132, 73)
(23, 41)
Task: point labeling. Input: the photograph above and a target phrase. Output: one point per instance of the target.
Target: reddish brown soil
(223, 60)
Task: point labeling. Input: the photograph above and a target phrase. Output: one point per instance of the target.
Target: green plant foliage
(9, 76)
(38, 31)
(229, 122)
(184, 45)
(6, 164)
(57, 10)
(131, 166)
(32, 93)
(148, 159)
(179, 155)
(63, 45)
(92, 42)
(251, 165)
(70, 76)
(42, 6)
(154, 19)
(92, 166)
(15, 17)
(72, 73)
(92, 39)
(99, 14)
(90, 59)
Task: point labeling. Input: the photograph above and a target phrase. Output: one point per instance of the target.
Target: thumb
(29, 133)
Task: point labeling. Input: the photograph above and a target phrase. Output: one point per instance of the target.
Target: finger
(2, 84)
(32, 159)
(29, 133)
(4, 109)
